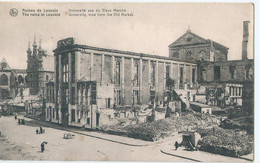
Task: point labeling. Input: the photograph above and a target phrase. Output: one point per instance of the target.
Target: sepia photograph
(127, 81)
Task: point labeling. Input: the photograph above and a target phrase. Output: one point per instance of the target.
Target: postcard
(110, 81)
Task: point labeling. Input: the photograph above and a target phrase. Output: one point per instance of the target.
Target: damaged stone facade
(89, 79)
(193, 47)
(229, 71)
(91, 82)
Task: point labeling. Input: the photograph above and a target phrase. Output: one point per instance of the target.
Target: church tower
(34, 47)
(29, 54)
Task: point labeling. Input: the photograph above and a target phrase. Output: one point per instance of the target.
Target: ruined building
(89, 79)
(226, 81)
(39, 69)
(193, 47)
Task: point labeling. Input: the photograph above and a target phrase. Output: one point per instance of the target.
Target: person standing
(15, 116)
(40, 130)
(43, 146)
(176, 145)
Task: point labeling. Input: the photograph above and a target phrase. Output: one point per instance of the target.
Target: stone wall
(229, 71)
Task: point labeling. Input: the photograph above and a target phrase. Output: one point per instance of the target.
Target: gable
(4, 65)
(189, 38)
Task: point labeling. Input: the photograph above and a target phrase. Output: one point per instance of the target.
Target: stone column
(178, 76)
(55, 85)
(113, 68)
(102, 68)
(77, 76)
(123, 80)
(69, 86)
(157, 78)
(196, 73)
(141, 80)
(59, 89)
(191, 74)
(91, 66)
(132, 67)
(149, 72)
(164, 75)
(184, 74)
(76, 102)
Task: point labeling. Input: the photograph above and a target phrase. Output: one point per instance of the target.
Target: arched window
(20, 79)
(232, 69)
(152, 74)
(167, 72)
(65, 68)
(4, 93)
(3, 80)
(249, 71)
(47, 77)
(135, 74)
(117, 73)
(188, 39)
(26, 79)
(176, 54)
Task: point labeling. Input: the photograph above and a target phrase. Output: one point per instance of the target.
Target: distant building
(40, 69)
(193, 47)
(11, 80)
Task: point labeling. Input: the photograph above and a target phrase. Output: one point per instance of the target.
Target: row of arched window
(4, 79)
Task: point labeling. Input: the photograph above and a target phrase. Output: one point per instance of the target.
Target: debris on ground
(162, 128)
(242, 123)
(226, 142)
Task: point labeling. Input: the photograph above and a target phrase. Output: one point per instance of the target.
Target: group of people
(20, 121)
(39, 131)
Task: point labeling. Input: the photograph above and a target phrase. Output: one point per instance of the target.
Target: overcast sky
(152, 28)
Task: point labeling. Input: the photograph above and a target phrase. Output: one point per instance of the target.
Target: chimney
(245, 40)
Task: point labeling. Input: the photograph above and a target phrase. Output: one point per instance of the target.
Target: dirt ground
(20, 142)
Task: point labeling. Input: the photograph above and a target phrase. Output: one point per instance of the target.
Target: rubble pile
(226, 142)
(162, 128)
(244, 123)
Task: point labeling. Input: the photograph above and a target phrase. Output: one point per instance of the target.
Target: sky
(151, 30)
